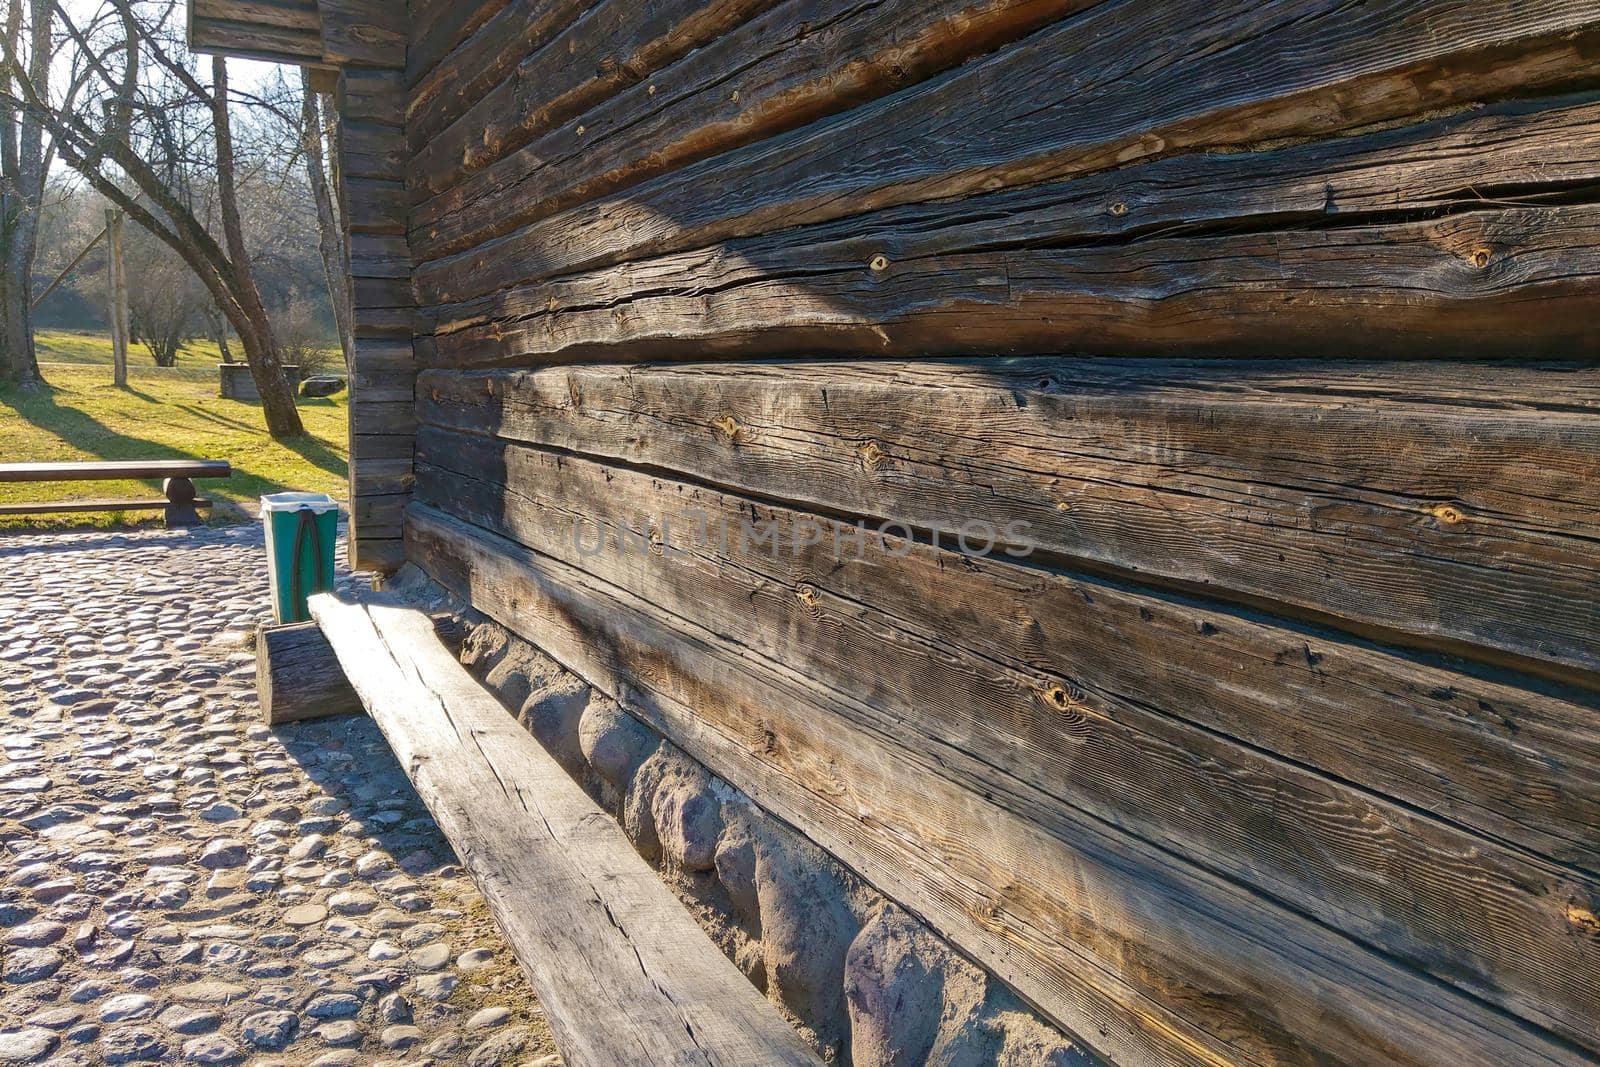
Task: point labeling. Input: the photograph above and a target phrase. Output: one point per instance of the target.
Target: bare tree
(160, 124)
(319, 138)
(24, 168)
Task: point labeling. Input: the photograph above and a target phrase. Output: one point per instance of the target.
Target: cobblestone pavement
(179, 884)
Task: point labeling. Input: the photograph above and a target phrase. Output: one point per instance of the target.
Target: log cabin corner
(1099, 498)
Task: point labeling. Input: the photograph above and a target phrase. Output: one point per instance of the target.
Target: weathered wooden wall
(383, 383)
(1264, 336)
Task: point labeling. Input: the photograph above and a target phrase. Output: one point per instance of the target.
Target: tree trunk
(23, 170)
(333, 246)
(253, 325)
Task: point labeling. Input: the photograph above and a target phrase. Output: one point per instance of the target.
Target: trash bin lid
(317, 502)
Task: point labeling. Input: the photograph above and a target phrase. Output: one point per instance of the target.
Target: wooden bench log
(181, 504)
(115, 470)
(298, 677)
(623, 972)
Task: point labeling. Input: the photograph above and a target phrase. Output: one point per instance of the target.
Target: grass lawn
(94, 349)
(163, 414)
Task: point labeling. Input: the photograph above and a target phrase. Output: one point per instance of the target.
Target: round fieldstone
(396, 1038)
(436, 987)
(503, 1048)
(224, 852)
(334, 1006)
(351, 902)
(211, 1049)
(132, 1045)
(342, 1032)
(489, 1018)
(394, 1008)
(36, 934)
(474, 959)
(305, 915)
(28, 1045)
(182, 1020)
(31, 964)
(431, 957)
(127, 1007)
(271, 1030)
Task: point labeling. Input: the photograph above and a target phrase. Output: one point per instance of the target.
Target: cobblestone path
(179, 884)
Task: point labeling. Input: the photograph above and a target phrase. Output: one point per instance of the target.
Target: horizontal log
(383, 418)
(375, 206)
(267, 41)
(12, 509)
(374, 255)
(383, 292)
(1093, 92)
(298, 677)
(437, 26)
(369, 33)
(1027, 691)
(1468, 160)
(380, 477)
(383, 555)
(1083, 918)
(382, 446)
(613, 46)
(1392, 498)
(383, 323)
(477, 64)
(373, 151)
(800, 61)
(372, 95)
(1460, 286)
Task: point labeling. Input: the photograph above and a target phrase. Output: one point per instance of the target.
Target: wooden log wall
(369, 39)
(1257, 719)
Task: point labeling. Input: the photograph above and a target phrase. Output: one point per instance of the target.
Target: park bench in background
(179, 501)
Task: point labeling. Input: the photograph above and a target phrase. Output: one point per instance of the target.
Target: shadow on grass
(316, 453)
(80, 430)
(76, 428)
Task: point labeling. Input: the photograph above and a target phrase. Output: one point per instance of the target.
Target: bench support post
(181, 497)
(298, 677)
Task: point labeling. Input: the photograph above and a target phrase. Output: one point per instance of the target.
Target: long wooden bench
(624, 973)
(180, 501)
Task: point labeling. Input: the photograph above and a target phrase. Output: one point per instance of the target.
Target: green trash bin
(302, 535)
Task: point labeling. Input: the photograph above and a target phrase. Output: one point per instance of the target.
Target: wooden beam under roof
(307, 33)
(279, 31)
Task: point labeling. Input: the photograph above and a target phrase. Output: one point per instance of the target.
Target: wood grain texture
(477, 64)
(793, 64)
(298, 676)
(1149, 960)
(1379, 497)
(369, 33)
(1027, 687)
(1085, 95)
(383, 365)
(438, 26)
(1119, 250)
(623, 973)
(610, 47)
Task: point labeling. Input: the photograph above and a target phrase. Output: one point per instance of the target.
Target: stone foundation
(864, 981)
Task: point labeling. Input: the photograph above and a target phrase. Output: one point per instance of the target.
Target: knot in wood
(879, 263)
(1480, 257)
(872, 457)
(729, 427)
(1119, 209)
(1448, 514)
